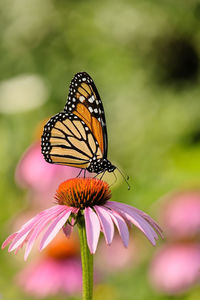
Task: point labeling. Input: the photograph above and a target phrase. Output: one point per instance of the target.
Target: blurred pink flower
(181, 214)
(58, 270)
(175, 268)
(40, 177)
(107, 258)
(48, 277)
(89, 196)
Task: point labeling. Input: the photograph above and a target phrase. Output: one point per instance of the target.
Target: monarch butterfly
(78, 136)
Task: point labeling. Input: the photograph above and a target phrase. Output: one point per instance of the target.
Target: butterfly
(77, 136)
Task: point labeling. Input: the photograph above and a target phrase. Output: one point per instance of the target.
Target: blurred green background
(144, 58)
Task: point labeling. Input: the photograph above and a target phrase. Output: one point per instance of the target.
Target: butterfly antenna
(126, 178)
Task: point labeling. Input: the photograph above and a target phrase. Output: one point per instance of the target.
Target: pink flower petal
(135, 218)
(20, 238)
(121, 226)
(19, 247)
(140, 212)
(30, 225)
(46, 212)
(157, 228)
(54, 227)
(145, 216)
(139, 222)
(8, 240)
(38, 228)
(92, 229)
(22, 244)
(67, 229)
(154, 225)
(75, 210)
(106, 223)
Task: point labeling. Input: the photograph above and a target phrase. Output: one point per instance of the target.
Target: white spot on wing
(82, 98)
(91, 99)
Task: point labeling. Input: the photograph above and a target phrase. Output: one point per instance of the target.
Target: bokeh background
(144, 58)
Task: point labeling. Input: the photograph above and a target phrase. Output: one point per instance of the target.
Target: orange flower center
(83, 192)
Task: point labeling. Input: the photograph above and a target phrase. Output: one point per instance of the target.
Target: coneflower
(85, 202)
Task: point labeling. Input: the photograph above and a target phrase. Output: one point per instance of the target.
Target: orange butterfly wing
(84, 101)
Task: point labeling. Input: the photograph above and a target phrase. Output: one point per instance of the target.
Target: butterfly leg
(102, 175)
(79, 173)
(84, 173)
(96, 175)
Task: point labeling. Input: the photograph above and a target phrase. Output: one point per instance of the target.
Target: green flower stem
(87, 263)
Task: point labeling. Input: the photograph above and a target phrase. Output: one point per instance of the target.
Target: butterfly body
(77, 136)
(100, 165)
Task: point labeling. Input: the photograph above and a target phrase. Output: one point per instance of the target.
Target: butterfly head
(100, 165)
